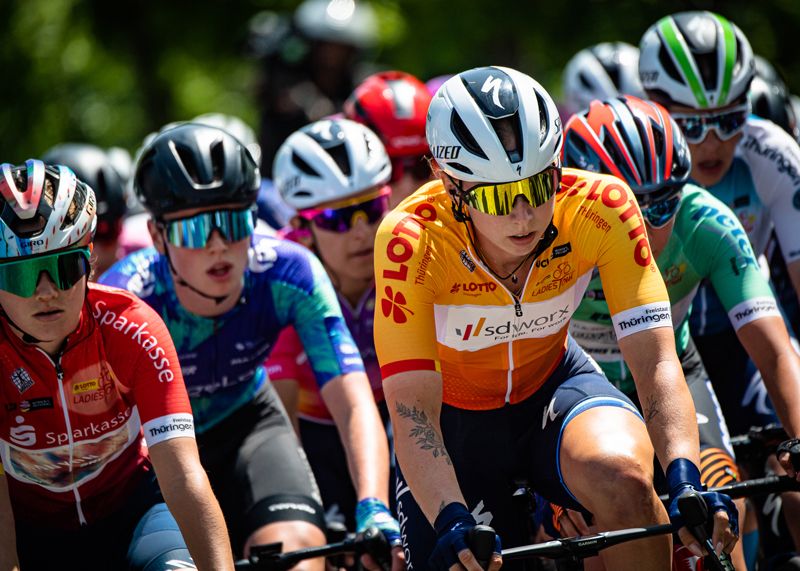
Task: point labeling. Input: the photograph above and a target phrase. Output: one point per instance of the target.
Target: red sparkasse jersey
(74, 432)
(440, 309)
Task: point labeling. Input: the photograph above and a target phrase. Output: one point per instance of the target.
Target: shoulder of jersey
(766, 133)
(103, 297)
(136, 261)
(603, 190)
(429, 203)
(700, 207)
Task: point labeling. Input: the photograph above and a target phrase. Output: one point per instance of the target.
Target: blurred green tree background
(111, 71)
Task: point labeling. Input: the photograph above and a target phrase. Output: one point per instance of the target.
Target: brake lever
(694, 510)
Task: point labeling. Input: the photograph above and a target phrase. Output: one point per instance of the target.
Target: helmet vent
(341, 157)
(464, 137)
(668, 65)
(78, 200)
(585, 83)
(707, 64)
(218, 159)
(298, 161)
(187, 160)
(509, 133)
(543, 118)
(460, 167)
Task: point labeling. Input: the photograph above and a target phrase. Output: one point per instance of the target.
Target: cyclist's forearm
(782, 380)
(352, 406)
(767, 342)
(187, 492)
(669, 413)
(667, 405)
(422, 456)
(190, 501)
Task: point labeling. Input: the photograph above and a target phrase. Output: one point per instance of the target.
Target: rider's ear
(154, 227)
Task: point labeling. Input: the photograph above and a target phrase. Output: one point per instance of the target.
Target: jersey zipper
(65, 407)
(517, 313)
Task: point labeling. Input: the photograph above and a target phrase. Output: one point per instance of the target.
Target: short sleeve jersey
(762, 187)
(73, 429)
(707, 242)
(440, 309)
(289, 359)
(222, 357)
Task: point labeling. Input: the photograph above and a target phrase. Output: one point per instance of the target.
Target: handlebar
(695, 513)
(269, 557)
(591, 545)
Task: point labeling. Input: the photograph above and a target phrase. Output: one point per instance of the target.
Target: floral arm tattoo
(428, 438)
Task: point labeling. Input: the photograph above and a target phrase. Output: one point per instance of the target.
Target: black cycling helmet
(771, 101)
(193, 166)
(94, 166)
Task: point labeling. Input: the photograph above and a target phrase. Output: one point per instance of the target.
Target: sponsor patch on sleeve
(166, 427)
(641, 318)
(749, 310)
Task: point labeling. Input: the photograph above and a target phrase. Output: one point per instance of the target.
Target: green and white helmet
(696, 59)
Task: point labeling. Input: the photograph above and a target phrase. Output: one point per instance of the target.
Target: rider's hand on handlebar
(452, 552)
(371, 512)
(682, 477)
(788, 449)
(398, 561)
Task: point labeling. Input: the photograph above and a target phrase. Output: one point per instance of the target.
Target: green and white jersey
(707, 242)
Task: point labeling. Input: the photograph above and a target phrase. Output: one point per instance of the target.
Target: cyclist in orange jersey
(478, 274)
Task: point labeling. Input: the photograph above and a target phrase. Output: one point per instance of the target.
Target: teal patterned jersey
(222, 358)
(707, 241)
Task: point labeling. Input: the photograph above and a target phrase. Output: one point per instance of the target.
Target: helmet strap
(457, 205)
(26, 337)
(218, 299)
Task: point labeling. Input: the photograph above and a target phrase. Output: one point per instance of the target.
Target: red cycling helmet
(632, 139)
(394, 104)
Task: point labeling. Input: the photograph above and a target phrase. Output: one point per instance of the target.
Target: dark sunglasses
(659, 208)
(64, 268)
(341, 217)
(498, 199)
(695, 126)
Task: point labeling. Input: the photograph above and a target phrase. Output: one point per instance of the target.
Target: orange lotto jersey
(440, 309)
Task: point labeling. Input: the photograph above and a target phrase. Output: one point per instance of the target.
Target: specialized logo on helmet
(326, 133)
(446, 151)
(493, 84)
(493, 90)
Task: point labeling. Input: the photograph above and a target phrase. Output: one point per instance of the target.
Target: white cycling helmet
(601, 71)
(329, 160)
(45, 209)
(696, 59)
(466, 113)
(342, 21)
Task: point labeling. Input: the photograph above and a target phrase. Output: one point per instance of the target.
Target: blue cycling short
(492, 451)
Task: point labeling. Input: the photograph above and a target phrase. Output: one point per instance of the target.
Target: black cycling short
(328, 460)
(139, 534)
(493, 450)
(258, 470)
